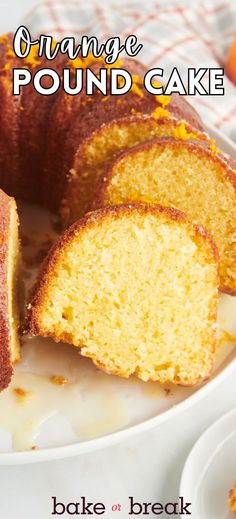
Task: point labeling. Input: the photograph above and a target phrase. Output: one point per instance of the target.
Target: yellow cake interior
(137, 293)
(102, 147)
(188, 180)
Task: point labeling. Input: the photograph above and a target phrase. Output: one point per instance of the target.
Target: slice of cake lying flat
(135, 288)
(232, 499)
(9, 270)
(186, 175)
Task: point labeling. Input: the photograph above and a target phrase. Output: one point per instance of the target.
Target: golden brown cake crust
(23, 124)
(74, 120)
(90, 219)
(198, 147)
(5, 346)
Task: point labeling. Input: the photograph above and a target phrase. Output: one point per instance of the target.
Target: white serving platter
(41, 420)
(210, 470)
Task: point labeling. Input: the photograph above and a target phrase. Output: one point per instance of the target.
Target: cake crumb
(21, 394)
(232, 499)
(213, 146)
(59, 380)
(168, 392)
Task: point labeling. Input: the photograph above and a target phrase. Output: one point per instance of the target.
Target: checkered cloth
(179, 33)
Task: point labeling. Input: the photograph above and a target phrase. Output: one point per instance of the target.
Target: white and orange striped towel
(179, 33)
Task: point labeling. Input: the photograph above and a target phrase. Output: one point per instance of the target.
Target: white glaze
(93, 403)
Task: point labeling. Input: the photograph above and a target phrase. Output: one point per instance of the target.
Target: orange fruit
(231, 62)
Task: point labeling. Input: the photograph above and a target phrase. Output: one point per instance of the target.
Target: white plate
(210, 470)
(92, 410)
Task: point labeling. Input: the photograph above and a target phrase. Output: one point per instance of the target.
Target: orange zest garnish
(160, 113)
(180, 132)
(163, 99)
(213, 147)
(59, 380)
(137, 90)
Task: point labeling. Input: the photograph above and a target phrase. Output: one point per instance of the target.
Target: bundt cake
(54, 150)
(9, 271)
(66, 109)
(186, 175)
(135, 287)
(41, 137)
(232, 499)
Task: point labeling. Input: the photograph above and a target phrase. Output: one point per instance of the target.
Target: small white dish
(210, 470)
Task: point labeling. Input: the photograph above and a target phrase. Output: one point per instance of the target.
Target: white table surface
(147, 467)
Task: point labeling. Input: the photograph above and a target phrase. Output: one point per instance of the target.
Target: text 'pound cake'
(134, 287)
(186, 175)
(9, 273)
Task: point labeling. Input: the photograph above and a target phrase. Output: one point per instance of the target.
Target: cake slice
(187, 175)
(9, 314)
(232, 499)
(135, 288)
(104, 133)
(91, 130)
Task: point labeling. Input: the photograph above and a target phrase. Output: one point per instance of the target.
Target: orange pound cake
(9, 270)
(232, 499)
(135, 288)
(186, 175)
(43, 137)
(102, 146)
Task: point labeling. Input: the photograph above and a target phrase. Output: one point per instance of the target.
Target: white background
(148, 466)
